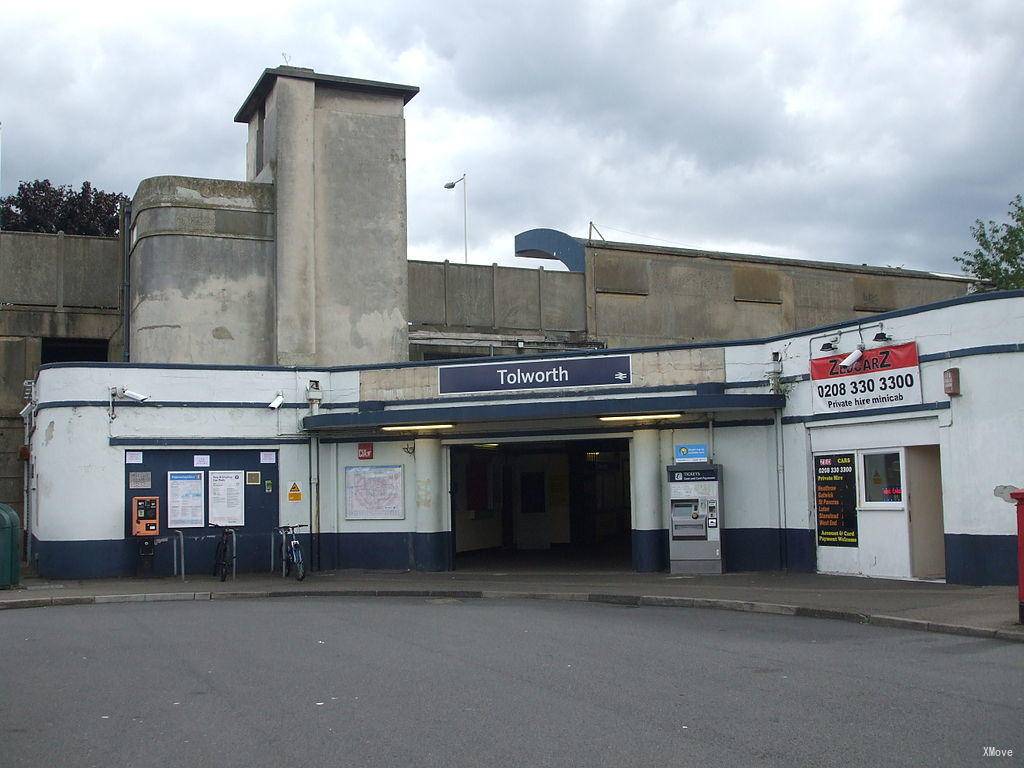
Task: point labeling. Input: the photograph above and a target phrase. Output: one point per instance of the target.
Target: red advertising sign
(873, 360)
(880, 378)
(364, 451)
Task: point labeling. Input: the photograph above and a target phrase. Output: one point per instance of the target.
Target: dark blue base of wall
(763, 549)
(980, 560)
(970, 559)
(120, 557)
(650, 551)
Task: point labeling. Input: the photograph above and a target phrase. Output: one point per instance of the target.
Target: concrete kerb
(663, 601)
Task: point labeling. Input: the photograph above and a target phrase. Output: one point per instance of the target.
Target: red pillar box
(1018, 496)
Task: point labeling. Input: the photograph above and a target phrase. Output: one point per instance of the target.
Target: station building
(283, 363)
(435, 466)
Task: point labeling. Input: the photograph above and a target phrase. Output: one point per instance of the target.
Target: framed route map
(374, 493)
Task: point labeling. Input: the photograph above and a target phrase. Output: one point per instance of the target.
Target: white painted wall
(79, 476)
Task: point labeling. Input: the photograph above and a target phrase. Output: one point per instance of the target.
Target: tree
(39, 206)
(999, 257)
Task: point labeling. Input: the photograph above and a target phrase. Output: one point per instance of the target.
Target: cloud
(859, 132)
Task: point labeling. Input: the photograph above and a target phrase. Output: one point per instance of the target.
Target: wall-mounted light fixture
(882, 336)
(645, 417)
(416, 427)
(831, 345)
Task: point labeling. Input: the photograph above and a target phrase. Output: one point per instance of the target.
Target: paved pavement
(466, 682)
(979, 611)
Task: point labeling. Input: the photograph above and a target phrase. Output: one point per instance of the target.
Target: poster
(186, 502)
(268, 457)
(691, 452)
(835, 492)
(227, 497)
(133, 457)
(140, 480)
(882, 377)
(374, 493)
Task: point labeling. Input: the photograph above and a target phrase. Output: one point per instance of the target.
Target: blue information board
(691, 452)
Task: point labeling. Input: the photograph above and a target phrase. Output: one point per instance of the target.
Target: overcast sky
(848, 131)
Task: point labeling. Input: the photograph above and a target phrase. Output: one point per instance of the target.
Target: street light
(465, 214)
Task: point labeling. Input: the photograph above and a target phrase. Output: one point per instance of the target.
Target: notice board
(374, 493)
(186, 502)
(835, 493)
(227, 497)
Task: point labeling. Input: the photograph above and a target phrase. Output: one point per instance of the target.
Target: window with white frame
(881, 478)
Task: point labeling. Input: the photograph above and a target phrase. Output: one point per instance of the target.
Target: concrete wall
(504, 298)
(51, 286)
(647, 295)
(337, 160)
(633, 295)
(202, 272)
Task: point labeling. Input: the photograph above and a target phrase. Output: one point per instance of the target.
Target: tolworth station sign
(558, 373)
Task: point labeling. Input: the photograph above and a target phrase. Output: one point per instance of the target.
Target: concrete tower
(334, 150)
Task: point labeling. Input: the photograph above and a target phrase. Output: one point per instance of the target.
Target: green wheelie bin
(10, 548)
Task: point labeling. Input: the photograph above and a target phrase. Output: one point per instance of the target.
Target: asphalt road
(389, 682)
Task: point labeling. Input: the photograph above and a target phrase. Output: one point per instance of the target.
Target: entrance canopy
(378, 415)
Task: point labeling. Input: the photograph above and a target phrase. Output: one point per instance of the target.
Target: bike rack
(176, 545)
(273, 546)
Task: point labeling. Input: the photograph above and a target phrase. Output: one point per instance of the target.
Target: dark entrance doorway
(541, 506)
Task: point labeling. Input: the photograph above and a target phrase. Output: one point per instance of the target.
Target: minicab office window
(882, 478)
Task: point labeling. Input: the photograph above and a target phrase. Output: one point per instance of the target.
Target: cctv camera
(122, 392)
(276, 402)
(852, 358)
(26, 410)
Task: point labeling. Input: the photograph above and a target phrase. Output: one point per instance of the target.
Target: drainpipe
(780, 489)
(313, 396)
(27, 416)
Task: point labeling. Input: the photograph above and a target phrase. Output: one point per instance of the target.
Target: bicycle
(292, 551)
(222, 564)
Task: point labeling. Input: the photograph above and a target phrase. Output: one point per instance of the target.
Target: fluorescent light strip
(649, 417)
(416, 427)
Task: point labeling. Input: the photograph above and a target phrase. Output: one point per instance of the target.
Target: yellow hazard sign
(294, 492)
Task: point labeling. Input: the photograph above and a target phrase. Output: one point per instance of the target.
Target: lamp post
(465, 214)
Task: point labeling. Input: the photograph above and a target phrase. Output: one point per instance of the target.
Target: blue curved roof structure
(552, 244)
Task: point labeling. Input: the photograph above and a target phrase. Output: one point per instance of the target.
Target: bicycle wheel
(224, 566)
(300, 566)
(220, 560)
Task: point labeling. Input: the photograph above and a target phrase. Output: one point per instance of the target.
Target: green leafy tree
(40, 206)
(999, 257)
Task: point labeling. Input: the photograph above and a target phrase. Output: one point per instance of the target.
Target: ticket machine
(146, 516)
(146, 527)
(694, 512)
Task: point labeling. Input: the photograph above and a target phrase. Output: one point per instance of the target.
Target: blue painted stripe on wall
(980, 560)
(939, 406)
(54, 404)
(990, 349)
(205, 441)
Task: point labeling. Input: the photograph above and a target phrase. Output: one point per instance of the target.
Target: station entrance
(541, 506)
